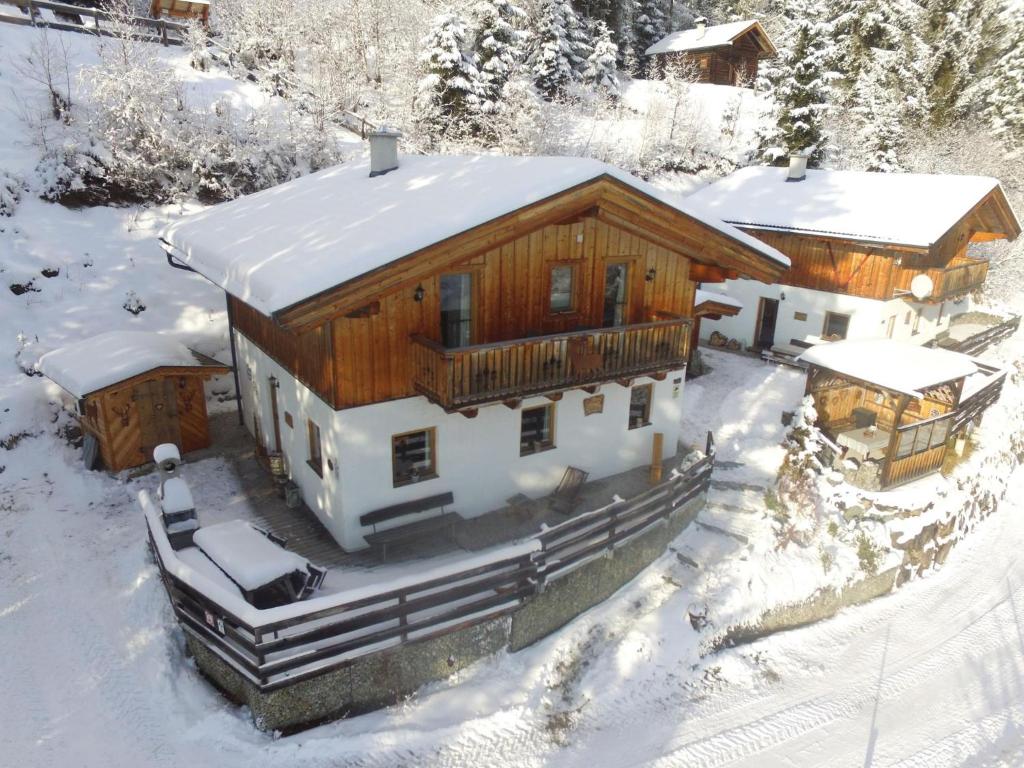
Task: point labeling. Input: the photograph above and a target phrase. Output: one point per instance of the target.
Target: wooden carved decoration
(592, 405)
(583, 361)
(186, 400)
(125, 414)
(945, 394)
(828, 380)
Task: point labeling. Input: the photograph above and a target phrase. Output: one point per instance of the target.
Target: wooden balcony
(962, 276)
(509, 370)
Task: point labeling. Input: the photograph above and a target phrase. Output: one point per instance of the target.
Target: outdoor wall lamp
(418, 294)
(782, 296)
(651, 274)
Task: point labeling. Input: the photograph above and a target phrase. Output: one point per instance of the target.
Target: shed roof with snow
(898, 366)
(284, 245)
(101, 361)
(907, 209)
(704, 37)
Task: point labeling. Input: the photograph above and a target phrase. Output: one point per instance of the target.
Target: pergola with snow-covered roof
(722, 54)
(895, 403)
(133, 390)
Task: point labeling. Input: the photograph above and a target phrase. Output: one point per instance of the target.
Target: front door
(157, 402)
(768, 314)
(457, 310)
(274, 414)
(616, 295)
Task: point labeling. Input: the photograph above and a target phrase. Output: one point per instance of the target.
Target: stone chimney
(701, 25)
(797, 167)
(383, 150)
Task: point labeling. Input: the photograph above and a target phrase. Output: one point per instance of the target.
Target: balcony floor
(229, 483)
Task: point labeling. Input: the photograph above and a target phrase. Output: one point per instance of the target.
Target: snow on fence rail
(979, 342)
(276, 647)
(156, 29)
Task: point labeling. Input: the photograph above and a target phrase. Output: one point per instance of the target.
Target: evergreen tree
(864, 26)
(1004, 85)
(799, 83)
(600, 71)
(449, 89)
(554, 62)
(954, 33)
(880, 112)
(649, 26)
(498, 48)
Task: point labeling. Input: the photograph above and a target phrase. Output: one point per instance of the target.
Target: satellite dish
(921, 286)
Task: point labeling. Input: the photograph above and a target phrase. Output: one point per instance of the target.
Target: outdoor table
(865, 443)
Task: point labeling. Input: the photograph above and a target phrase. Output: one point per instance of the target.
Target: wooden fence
(71, 18)
(973, 406)
(979, 342)
(280, 646)
(467, 376)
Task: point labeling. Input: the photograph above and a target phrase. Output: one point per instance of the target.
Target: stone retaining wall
(383, 678)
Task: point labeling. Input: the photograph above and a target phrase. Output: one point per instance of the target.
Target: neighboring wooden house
(874, 255)
(181, 9)
(724, 54)
(895, 407)
(132, 391)
(436, 334)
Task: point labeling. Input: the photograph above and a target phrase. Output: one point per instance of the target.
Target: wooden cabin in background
(894, 408)
(451, 332)
(874, 255)
(181, 9)
(132, 391)
(723, 54)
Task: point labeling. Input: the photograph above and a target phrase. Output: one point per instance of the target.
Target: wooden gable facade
(884, 271)
(734, 64)
(380, 337)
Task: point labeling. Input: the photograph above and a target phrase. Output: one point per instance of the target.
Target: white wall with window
(803, 313)
(403, 450)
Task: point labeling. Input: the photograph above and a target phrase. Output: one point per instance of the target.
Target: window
(917, 323)
(316, 454)
(923, 437)
(413, 457)
(836, 326)
(906, 319)
(561, 288)
(537, 432)
(640, 405)
(890, 326)
(615, 293)
(704, 61)
(457, 310)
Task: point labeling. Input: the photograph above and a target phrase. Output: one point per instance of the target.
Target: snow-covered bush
(10, 193)
(799, 502)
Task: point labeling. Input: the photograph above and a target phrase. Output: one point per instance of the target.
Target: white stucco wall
(869, 318)
(477, 459)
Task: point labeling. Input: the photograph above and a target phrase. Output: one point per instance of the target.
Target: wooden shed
(724, 54)
(181, 9)
(132, 391)
(894, 405)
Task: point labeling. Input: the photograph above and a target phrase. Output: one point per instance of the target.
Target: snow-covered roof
(702, 296)
(896, 365)
(100, 361)
(246, 555)
(278, 247)
(898, 208)
(697, 38)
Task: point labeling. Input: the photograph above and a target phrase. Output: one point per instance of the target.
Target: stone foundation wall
(384, 678)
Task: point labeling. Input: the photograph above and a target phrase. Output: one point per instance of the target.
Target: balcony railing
(487, 373)
(957, 279)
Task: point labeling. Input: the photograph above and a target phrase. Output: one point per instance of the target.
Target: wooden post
(163, 31)
(656, 445)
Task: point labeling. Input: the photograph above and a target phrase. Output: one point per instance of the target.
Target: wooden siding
(307, 355)
(837, 266)
(899, 471)
(373, 355)
(725, 65)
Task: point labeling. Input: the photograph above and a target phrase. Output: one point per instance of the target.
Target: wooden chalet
(181, 9)
(896, 407)
(723, 54)
(132, 391)
(873, 254)
(380, 314)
